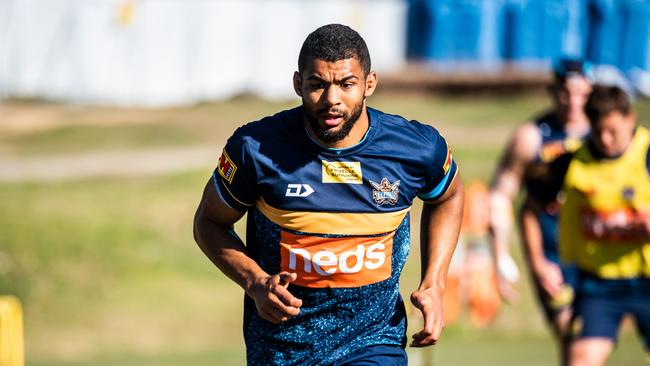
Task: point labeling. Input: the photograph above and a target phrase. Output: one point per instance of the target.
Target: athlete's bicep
(520, 151)
(213, 207)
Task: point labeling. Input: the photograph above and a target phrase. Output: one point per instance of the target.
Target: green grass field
(107, 269)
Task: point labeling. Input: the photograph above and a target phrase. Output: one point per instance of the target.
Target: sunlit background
(113, 114)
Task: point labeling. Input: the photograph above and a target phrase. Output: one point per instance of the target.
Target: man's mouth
(331, 119)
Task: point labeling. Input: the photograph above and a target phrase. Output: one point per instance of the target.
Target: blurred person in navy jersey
(328, 187)
(524, 164)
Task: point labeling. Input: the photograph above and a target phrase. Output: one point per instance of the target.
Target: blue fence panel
(445, 34)
(554, 28)
(419, 30)
(455, 30)
(544, 29)
(636, 35)
(489, 32)
(605, 31)
(574, 42)
(465, 25)
(522, 25)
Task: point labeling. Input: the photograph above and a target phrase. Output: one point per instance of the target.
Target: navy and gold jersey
(555, 142)
(339, 218)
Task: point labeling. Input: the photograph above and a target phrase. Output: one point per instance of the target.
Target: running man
(525, 162)
(605, 226)
(328, 187)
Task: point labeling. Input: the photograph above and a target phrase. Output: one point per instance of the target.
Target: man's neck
(575, 126)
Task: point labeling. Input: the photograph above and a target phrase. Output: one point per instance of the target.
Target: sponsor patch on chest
(622, 226)
(336, 262)
(347, 172)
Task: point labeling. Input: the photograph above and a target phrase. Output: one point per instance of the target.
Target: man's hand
(508, 276)
(273, 300)
(549, 276)
(429, 302)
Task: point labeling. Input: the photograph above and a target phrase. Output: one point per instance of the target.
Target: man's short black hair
(569, 67)
(605, 99)
(334, 42)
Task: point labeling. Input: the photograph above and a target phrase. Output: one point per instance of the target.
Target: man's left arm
(440, 225)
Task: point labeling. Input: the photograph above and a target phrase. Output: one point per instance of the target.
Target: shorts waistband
(590, 283)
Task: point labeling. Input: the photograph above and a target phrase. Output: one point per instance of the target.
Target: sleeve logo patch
(347, 172)
(448, 160)
(226, 167)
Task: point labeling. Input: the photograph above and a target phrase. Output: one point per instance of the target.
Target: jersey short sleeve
(234, 176)
(441, 168)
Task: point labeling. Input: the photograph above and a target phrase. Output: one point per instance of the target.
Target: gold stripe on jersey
(346, 223)
(602, 223)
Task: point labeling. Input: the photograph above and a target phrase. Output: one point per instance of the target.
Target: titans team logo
(385, 192)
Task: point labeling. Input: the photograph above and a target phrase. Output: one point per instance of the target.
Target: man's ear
(297, 83)
(371, 83)
(631, 118)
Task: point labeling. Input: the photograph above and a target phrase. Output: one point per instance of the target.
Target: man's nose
(332, 96)
(606, 139)
(577, 100)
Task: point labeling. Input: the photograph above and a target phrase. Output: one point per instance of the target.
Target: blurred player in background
(328, 187)
(525, 162)
(605, 226)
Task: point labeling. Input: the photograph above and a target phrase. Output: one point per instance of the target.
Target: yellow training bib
(603, 221)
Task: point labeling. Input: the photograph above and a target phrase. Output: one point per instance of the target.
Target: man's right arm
(215, 235)
(519, 153)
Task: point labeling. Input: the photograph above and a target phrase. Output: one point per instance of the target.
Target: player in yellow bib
(604, 226)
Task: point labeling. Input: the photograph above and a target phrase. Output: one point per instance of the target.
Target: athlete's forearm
(505, 188)
(506, 183)
(500, 224)
(440, 226)
(226, 250)
(503, 192)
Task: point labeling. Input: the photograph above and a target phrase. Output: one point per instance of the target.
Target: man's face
(571, 96)
(612, 133)
(333, 96)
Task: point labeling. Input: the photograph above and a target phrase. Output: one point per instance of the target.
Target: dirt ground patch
(114, 163)
(24, 117)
